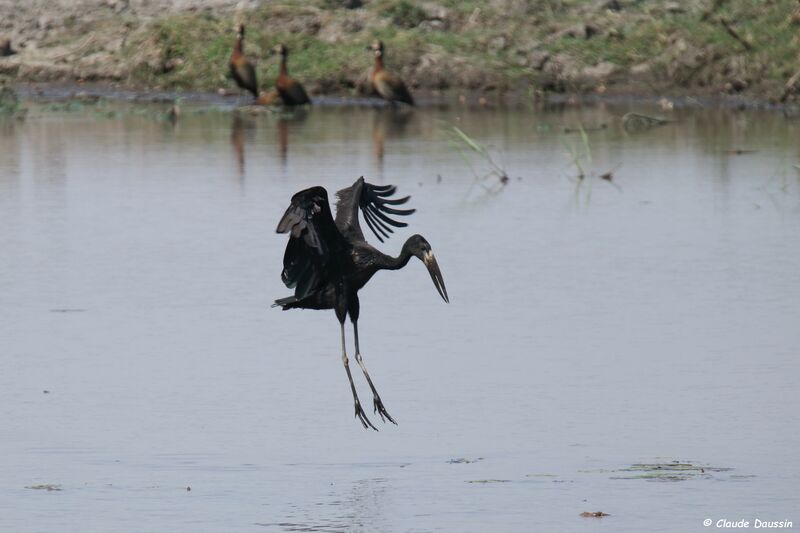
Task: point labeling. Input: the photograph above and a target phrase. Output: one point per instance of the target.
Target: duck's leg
(360, 414)
(376, 398)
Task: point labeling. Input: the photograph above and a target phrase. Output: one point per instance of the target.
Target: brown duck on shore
(291, 91)
(242, 70)
(388, 85)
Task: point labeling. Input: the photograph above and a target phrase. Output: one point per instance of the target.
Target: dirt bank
(606, 47)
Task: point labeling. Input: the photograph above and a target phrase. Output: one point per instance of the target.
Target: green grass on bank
(193, 49)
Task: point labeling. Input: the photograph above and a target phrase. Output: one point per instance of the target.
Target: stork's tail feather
(285, 303)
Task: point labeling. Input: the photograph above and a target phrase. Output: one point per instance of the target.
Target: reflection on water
(388, 122)
(288, 120)
(237, 143)
(361, 507)
(584, 348)
(283, 143)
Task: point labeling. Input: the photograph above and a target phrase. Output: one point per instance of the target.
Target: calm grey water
(594, 326)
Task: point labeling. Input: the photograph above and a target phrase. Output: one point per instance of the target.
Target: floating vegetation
(70, 106)
(489, 481)
(80, 102)
(595, 514)
(580, 153)
(609, 176)
(167, 111)
(107, 113)
(581, 157)
(48, 487)
(540, 475)
(637, 122)
(667, 471)
(581, 128)
(497, 172)
(462, 460)
(9, 102)
(673, 471)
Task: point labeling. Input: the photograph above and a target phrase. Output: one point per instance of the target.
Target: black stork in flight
(327, 261)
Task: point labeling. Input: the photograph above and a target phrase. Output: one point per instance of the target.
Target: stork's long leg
(360, 414)
(376, 398)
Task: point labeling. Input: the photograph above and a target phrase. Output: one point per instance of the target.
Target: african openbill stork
(387, 84)
(328, 261)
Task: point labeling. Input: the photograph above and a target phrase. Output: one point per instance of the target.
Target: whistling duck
(387, 84)
(241, 69)
(291, 91)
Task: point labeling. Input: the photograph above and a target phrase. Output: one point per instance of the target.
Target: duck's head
(376, 47)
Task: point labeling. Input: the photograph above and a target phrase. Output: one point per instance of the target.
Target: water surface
(593, 325)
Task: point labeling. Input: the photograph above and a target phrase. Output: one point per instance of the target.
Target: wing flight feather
(373, 201)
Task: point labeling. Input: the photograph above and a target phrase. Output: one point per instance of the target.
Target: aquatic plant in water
(9, 101)
(497, 172)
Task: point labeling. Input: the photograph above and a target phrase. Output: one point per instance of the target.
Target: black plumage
(327, 261)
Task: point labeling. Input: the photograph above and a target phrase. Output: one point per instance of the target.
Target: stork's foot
(378, 407)
(362, 417)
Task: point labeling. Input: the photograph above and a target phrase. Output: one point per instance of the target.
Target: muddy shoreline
(54, 92)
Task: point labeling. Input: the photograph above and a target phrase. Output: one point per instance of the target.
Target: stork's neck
(237, 48)
(283, 71)
(396, 263)
(378, 62)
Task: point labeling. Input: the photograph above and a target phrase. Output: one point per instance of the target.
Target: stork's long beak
(436, 275)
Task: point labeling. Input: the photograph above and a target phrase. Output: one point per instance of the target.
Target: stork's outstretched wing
(313, 241)
(374, 203)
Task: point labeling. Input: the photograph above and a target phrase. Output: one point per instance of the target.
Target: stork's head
(417, 246)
